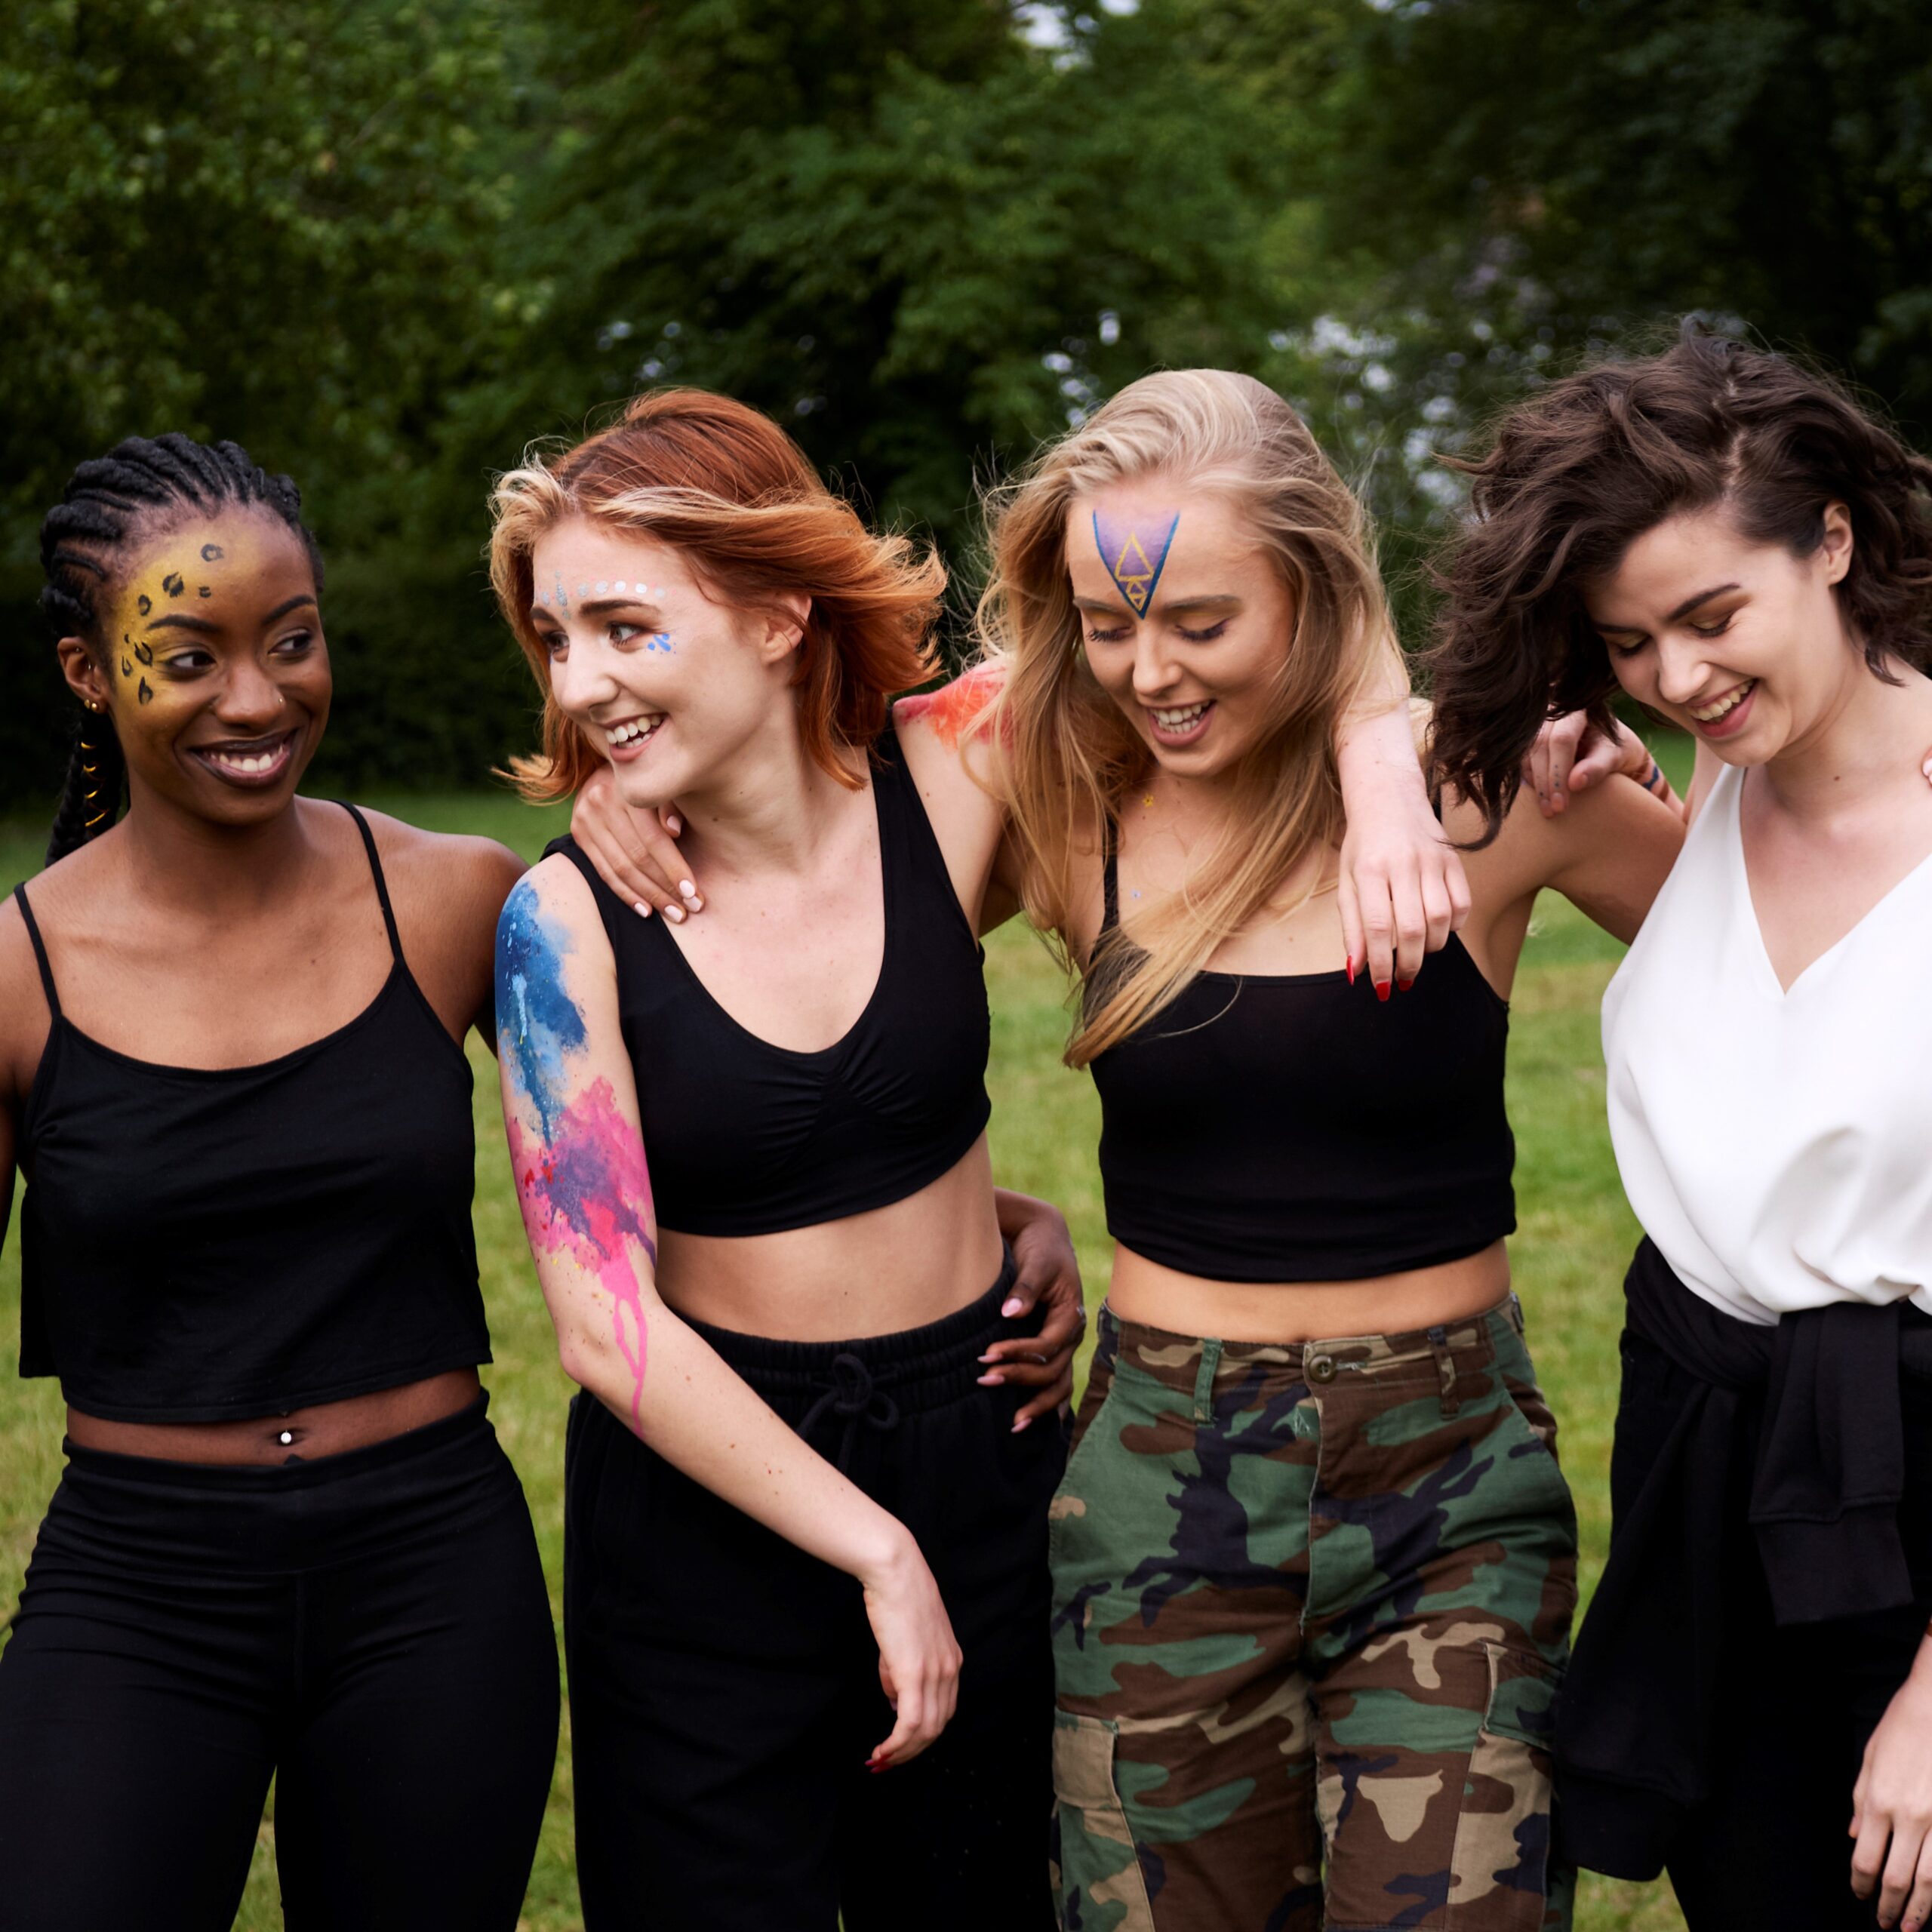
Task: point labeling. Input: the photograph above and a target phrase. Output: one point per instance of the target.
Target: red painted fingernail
(1382, 989)
(1403, 985)
(1352, 969)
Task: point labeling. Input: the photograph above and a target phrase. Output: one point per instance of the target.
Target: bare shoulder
(1607, 850)
(551, 944)
(68, 900)
(950, 712)
(946, 733)
(443, 883)
(451, 859)
(551, 913)
(943, 737)
(24, 1015)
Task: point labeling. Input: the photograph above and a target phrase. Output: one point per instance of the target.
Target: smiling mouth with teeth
(632, 731)
(262, 758)
(1179, 717)
(1709, 714)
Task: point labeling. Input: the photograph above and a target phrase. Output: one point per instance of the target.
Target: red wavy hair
(737, 496)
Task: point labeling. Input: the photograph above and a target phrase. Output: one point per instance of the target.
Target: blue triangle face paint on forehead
(1134, 558)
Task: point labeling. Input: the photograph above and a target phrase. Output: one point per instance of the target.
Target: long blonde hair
(1064, 758)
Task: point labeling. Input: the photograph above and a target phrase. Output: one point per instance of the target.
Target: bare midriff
(902, 1266)
(307, 1435)
(1144, 1291)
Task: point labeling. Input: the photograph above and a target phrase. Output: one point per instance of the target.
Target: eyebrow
(1690, 604)
(1683, 610)
(180, 621)
(597, 606)
(1166, 603)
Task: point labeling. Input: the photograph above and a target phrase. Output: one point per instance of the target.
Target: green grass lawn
(1576, 1234)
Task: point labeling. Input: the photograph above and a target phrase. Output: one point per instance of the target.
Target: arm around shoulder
(1611, 850)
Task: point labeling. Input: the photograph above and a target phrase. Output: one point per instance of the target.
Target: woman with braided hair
(287, 1542)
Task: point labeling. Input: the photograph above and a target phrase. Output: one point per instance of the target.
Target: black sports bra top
(1275, 1128)
(746, 1138)
(203, 1244)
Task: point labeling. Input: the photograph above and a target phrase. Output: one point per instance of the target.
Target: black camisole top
(1279, 1127)
(746, 1138)
(205, 1245)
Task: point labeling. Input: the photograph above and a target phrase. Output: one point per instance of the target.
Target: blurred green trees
(385, 242)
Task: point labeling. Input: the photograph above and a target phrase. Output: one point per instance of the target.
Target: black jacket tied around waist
(1807, 1413)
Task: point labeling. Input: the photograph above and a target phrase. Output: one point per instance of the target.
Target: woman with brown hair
(1735, 543)
(752, 1157)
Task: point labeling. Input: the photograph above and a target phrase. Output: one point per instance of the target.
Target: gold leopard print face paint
(218, 674)
(198, 579)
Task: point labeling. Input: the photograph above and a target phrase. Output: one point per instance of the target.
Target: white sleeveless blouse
(1776, 1145)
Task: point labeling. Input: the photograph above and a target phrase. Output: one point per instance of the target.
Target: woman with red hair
(751, 1159)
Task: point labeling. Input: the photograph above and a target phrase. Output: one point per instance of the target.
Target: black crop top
(1278, 1127)
(205, 1245)
(746, 1138)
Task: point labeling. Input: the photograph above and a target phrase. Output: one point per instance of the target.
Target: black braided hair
(107, 500)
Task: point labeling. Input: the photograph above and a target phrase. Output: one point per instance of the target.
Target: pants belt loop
(1204, 1380)
(1445, 1370)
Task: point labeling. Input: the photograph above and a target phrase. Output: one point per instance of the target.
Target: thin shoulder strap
(39, 951)
(1110, 882)
(382, 884)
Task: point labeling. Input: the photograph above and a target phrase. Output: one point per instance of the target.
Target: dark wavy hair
(1586, 467)
(110, 501)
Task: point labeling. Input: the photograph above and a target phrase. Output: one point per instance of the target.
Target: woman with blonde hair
(1314, 1560)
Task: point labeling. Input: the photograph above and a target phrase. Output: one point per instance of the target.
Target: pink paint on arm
(954, 708)
(585, 1191)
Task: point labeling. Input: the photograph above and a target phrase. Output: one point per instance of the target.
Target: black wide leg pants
(373, 1628)
(724, 1689)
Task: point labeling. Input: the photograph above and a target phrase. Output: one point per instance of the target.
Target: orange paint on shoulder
(954, 708)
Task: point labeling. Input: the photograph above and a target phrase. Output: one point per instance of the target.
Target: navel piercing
(287, 1436)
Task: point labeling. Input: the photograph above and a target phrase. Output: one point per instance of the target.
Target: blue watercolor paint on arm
(1134, 562)
(538, 1024)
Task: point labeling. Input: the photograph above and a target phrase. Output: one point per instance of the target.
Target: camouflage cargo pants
(1312, 1603)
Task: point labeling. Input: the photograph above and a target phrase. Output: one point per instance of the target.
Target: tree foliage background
(386, 243)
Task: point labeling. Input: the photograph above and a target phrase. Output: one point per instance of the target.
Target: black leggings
(373, 1628)
(725, 1688)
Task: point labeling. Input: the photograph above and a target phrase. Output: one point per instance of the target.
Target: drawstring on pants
(856, 1393)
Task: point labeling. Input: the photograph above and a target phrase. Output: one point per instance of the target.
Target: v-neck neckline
(806, 1055)
(1748, 902)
